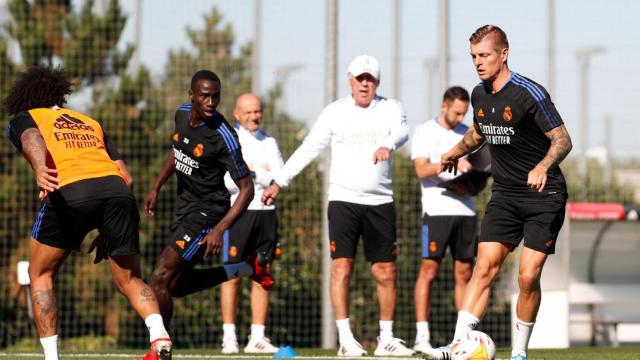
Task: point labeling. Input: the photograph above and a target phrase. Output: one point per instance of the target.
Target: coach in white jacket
(363, 129)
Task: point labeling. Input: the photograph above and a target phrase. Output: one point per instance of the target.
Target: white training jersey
(355, 133)
(263, 157)
(430, 141)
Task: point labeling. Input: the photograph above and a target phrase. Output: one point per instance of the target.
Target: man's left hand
(213, 240)
(537, 178)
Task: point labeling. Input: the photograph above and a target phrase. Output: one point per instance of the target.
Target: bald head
(248, 111)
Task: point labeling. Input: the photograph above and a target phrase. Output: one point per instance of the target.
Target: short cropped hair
(206, 75)
(456, 92)
(490, 30)
(38, 87)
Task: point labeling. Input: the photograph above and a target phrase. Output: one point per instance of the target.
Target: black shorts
(376, 224)
(254, 231)
(538, 219)
(64, 225)
(187, 232)
(459, 232)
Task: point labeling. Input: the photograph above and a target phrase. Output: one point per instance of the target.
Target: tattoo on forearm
(146, 294)
(559, 149)
(44, 302)
(33, 147)
(470, 141)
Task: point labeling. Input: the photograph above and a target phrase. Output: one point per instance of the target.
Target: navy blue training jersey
(203, 155)
(514, 121)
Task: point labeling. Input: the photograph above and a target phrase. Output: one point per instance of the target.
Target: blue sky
(293, 33)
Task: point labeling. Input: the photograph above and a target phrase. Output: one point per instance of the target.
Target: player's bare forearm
(34, 148)
(472, 140)
(35, 151)
(560, 147)
(167, 170)
(425, 168)
(245, 195)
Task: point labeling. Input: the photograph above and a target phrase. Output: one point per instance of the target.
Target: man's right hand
(46, 178)
(449, 163)
(270, 194)
(150, 203)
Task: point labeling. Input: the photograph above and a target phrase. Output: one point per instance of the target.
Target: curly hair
(38, 87)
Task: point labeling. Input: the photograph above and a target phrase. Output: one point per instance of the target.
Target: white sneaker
(260, 346)
(392, 347)
(230, 346)
(351, 349)
(422, 344)
(441, 353)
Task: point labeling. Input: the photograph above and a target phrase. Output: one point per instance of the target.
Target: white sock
(237, 270)
(229, 331)
(466, 322)
(386, 329)
(257, 331)
(422, 330)
(523, 333)
(344, 330)
(50, 347)
(156, 327)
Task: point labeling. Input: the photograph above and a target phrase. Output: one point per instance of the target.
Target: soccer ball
(475, 346)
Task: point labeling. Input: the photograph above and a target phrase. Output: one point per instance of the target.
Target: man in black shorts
(527, 141)
(449, 217)
(255, 231)
(204, 148)
(84, 187)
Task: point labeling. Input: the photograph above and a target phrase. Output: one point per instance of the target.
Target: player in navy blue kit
(203, 148)
(527, 140)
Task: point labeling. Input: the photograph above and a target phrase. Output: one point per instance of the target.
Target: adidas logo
(68, 122)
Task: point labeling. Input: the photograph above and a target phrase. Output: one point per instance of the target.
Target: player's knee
(384, 273)
(160, 277)
(529, 281)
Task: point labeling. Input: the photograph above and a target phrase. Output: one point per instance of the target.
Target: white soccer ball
(475, 346)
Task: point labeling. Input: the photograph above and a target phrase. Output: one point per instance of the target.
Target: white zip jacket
(355, 133)
(262, 155)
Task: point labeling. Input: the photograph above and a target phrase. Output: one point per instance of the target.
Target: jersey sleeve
(419, 143)
(19, 124)
(543, 110)
(111, 148)
(399, 129)
(233, 160)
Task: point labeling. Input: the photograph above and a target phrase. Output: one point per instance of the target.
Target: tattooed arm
(560, 147)
(472, 140)
(35, 151)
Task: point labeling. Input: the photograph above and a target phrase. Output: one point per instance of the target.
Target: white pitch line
(186, 356)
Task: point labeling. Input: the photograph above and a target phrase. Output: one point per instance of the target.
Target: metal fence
(136, 108)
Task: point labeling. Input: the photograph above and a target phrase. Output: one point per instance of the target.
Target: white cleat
(441, 353)
(392, 347)
(422, 345)
(260, 346)
(230, 346)
(351, 348)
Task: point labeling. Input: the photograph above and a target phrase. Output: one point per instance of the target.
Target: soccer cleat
(441, 353)
(261, 274)
(160, 350)
(260, 346)
(351, 348)
(422, 344)
(392, 347)
(519, 357)
(230, 345)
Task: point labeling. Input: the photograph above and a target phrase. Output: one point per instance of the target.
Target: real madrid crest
(198, 150)
(507, 115)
